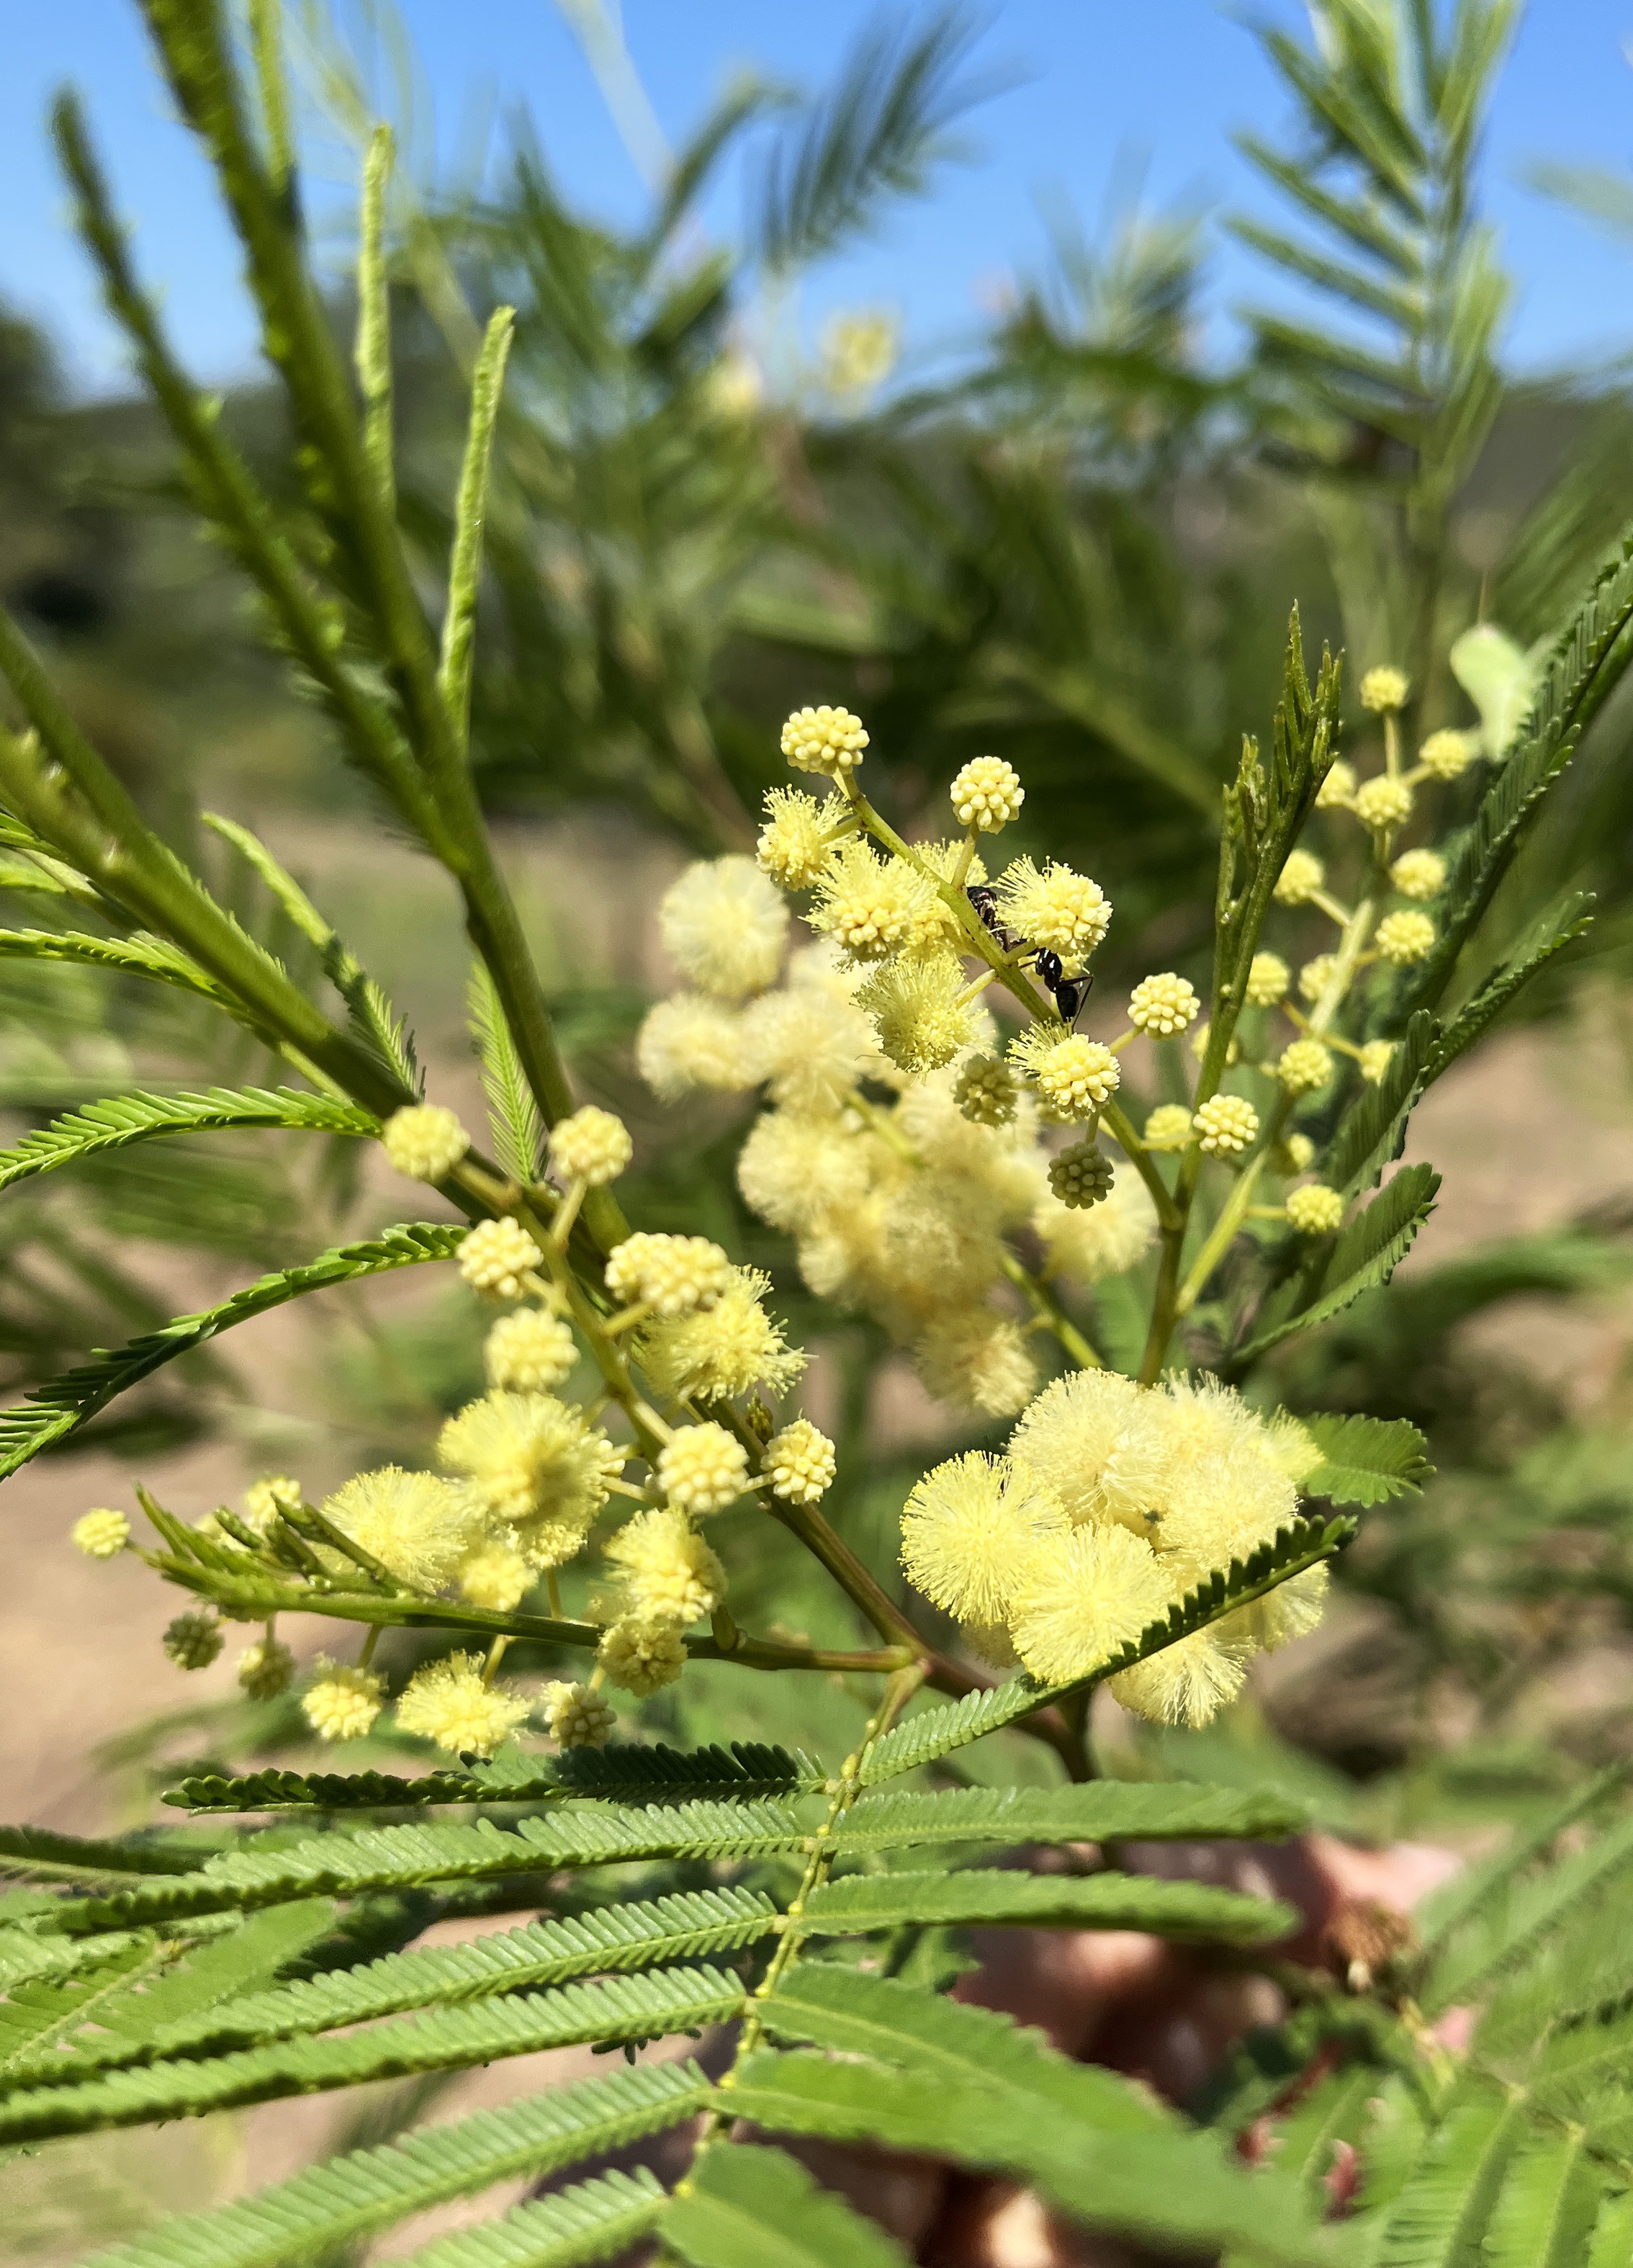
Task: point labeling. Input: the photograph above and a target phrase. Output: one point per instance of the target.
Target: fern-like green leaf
(938, 1732)
(1097, 1811)
(349, 2198)
(1365, 1254)
(42, 1854)
(1551, 935)
(513, 1113)
(98, 1127)
(1152, 2181)
(64, 1404)
(1107, 1901)
(593, 2221)
(1371, 1133)
(630, 2008)
(619, 1774)
(401, 1857)
(139, 955)
(746, 2207)
(1612, 2243)
(1547, 2206)
(608, 1938)
(1472, 1894)
(1439, 2217)
(1366, 1461)
(1520, 1915)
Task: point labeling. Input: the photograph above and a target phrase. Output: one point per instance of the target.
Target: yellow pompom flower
(590, 1145)
(871, 907)
(1187, 1683)
(574, 1717)
(1067, 1435)
(1447, 754)
(1294, 1153)
(966, 1530)
(669, 1573)
(424, 1142)
(413, 1524)
(530, 1351)
(1405, 937)
(824, 739)
(447, 1702)
(687, 1041)
(495, 1578)
(1375, 1057)
(496, 1256)
(800, 1463)
(724, 924)
(703, 1469)
(1268, 979)
(672, 1275)
(985, 1092)
(1225, 1126)
(1337, 790)
(1315, 1210)
(1384, 690)
(1168, 1127)
(1314, 976)
(194, 1640)
(810, 1046)
(724, 1350)
(977, 1361)
(531, 1462)
(987, 793)
(266, 1669)
(1301, 878)
(1080, 1598)
(1081, 1177)
(100, 1535)
(793, 847)
(342, 1703)
(1383, 802)
(1164, 1004)
(1074, 1076)
(640, 1657)
(1304, 1067)
(919, 1012)
(1063, 912)
(1419, 874)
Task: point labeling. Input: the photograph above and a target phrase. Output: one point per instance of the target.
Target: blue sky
(1106, 84)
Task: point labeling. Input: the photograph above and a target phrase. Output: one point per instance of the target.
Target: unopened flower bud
(987, 793)
(424, 1142)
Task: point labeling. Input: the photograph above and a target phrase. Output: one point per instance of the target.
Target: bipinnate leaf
(402, 1857)
(1475, 1892)
(64, 1404)
(1365, 1254)
(1373, 1131)
(1366, 1461)
(1438, 2218)
(1097, 2146)
(1518, 1913)
(1105, 1901)
(1550, 935)
(613, 1938)
(1547, 2206)
(621, 1774)
(513, 1113)
(43, 1854)
(592, 2220)
(346, 2199)
(746, 2207)
(450, 2039)
(138, 955)
(97, 1128)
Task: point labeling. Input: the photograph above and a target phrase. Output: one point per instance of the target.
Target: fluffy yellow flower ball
(424, 1142)
(100, 1535)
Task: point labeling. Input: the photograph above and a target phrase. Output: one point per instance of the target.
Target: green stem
(1117, 1124)
(1049, 1311)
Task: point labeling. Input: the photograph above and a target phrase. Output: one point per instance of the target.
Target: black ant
(1069, 992)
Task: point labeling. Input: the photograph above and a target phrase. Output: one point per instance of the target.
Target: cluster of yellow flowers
(936, 1176)
(1113, 1501)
